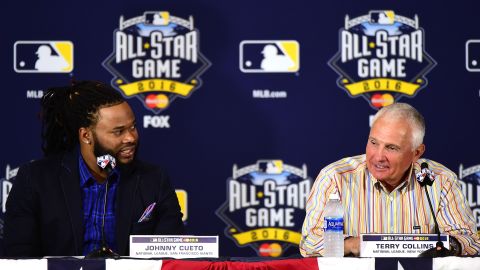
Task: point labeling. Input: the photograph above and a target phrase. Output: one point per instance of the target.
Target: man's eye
(392, 148)
(117, 132)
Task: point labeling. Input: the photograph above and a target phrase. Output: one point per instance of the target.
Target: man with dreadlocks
(65, 203)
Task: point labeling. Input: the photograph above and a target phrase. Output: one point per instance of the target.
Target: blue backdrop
(220, 110)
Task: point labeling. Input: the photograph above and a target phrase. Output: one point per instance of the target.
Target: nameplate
(173, 246)
(398, 245)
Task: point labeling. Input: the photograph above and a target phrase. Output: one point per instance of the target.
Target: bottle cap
(334, 196)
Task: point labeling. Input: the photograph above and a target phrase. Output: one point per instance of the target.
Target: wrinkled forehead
(390, 130)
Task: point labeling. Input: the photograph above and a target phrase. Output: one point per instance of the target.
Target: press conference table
(241, 263)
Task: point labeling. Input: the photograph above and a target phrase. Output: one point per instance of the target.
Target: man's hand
(351, 246)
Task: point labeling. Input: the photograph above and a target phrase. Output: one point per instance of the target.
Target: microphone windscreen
(424, 165)
(106, 162)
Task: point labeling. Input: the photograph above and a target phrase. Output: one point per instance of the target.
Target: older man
(380, 194)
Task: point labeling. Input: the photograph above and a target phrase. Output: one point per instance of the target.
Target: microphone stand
(104, 251)
(439, 250)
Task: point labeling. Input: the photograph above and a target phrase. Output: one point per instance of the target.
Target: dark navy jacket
(44, 215)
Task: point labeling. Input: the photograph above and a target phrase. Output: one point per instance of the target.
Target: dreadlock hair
(66, 109)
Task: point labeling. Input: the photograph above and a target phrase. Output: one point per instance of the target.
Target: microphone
(106, 163)
(426, 177)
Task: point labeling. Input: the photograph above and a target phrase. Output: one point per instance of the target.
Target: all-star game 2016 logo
(265, 206)
(470, 182)
(382, 57)
(156, 58)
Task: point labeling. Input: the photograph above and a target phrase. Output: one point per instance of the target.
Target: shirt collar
(86, 177)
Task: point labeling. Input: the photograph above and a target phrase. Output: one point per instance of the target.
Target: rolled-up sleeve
(455, 217)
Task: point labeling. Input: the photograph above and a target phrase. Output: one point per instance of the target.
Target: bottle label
(334, 224)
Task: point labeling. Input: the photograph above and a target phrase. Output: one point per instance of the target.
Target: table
(241, 263)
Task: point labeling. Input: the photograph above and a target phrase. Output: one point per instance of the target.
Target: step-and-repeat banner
(244, 102)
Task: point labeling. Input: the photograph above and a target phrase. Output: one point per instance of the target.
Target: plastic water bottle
(333, 235)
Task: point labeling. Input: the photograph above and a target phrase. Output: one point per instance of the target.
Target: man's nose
(380, 154)
(130, 136)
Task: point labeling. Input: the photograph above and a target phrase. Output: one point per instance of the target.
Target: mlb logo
(43, 56)
(269, 56)
(270, 166)
(472, 54)
(157, 18)
(382, 16)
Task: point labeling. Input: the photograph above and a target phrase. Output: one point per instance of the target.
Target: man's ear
(418, 152)
(85, 135)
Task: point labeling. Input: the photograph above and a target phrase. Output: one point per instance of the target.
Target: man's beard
(100, 150)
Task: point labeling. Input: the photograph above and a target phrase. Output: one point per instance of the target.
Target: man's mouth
(127, 152)
(380, 166)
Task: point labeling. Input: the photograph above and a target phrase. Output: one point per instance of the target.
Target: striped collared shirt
(370, 208)
(93, 201)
